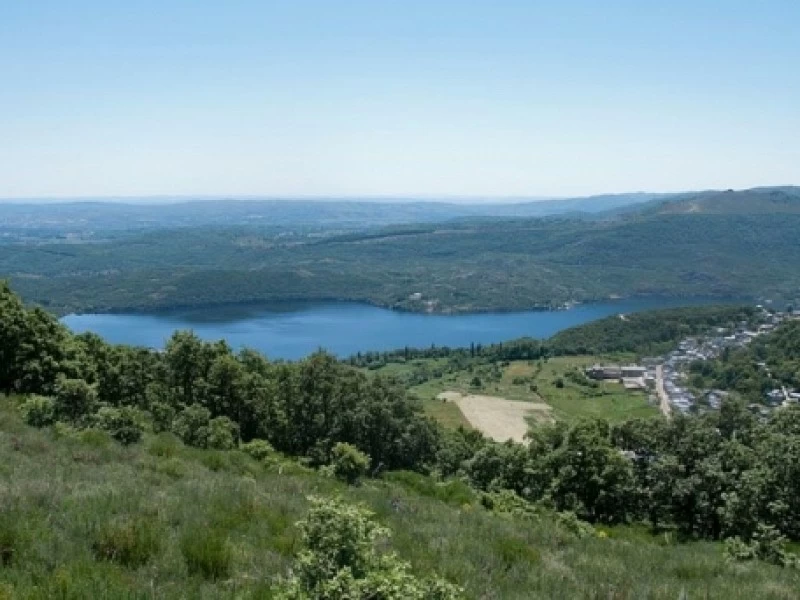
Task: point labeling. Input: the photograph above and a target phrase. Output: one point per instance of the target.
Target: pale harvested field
(498, 418)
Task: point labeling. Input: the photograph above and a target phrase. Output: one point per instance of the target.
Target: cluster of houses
(673, 366)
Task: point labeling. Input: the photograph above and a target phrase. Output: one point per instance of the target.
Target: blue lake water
(294, 331)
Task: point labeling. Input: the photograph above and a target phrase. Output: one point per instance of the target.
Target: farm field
(557, 382)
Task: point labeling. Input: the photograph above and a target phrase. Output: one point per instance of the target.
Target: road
(663, 404)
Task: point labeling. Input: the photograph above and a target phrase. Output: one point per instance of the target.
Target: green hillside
(129, 473)
(688, 247)
(69, 499)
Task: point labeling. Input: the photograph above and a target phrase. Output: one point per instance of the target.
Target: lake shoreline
(345, 329)
(283, 303)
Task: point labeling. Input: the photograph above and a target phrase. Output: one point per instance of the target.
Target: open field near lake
(498, 418)
(556, 382)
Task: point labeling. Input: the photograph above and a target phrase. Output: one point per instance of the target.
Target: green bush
(222, 434)
(260, 450)
(570, 521)
(123, 424)
(75, 400)
(191, 425)
(340, 560)
(348, 463)
(39, 411)
(206, 552)
(767, 544)
(163, 415)
(130, 541)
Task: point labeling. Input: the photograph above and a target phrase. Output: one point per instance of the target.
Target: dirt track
(498, 418)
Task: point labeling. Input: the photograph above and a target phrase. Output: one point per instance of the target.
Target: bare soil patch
(496, 417)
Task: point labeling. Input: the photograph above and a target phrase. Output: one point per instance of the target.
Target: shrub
(39, 411)
(348, 463)
(767, 544)
(130, 542)
(75, 400)
(340, 561)
(122, 424)
(571, 522)
(260, 450)
(163, 415)
(222, 433)
(206, 552)
(191, 425)
(506, 502)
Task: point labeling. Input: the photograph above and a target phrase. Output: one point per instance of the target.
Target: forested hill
(464, 266)
(770, 200)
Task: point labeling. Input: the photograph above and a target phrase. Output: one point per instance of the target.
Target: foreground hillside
(737, 244)
(71, 503)
(178, 474)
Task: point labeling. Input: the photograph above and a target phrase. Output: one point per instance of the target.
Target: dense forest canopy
(726, 245)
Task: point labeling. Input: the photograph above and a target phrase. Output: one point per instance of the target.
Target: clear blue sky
(406, 97)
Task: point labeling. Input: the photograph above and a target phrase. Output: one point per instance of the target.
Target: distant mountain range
(94, 215)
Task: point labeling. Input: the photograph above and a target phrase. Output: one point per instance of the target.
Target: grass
(609, 400)
(528, 381)
(77, 521)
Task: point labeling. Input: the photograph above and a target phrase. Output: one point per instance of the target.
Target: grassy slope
(57, 494)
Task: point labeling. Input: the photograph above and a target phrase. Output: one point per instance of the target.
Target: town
(666, 376)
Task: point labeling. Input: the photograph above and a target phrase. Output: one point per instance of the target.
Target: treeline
(721, 475)
(650, 332)
(206, 394)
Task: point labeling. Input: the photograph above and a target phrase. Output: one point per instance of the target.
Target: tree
(123, 424)
(39, 411)
(75, 399)
(222, 434)
(348, 463)
(191, 425)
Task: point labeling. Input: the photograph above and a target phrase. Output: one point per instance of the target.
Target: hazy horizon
(157, 199)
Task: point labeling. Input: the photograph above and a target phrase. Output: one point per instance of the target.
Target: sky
(431, 98)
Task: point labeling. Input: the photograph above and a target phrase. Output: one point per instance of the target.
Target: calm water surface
(293, 331)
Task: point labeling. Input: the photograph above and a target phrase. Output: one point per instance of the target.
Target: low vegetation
(87, 520)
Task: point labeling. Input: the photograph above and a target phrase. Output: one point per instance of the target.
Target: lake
(294, 331)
